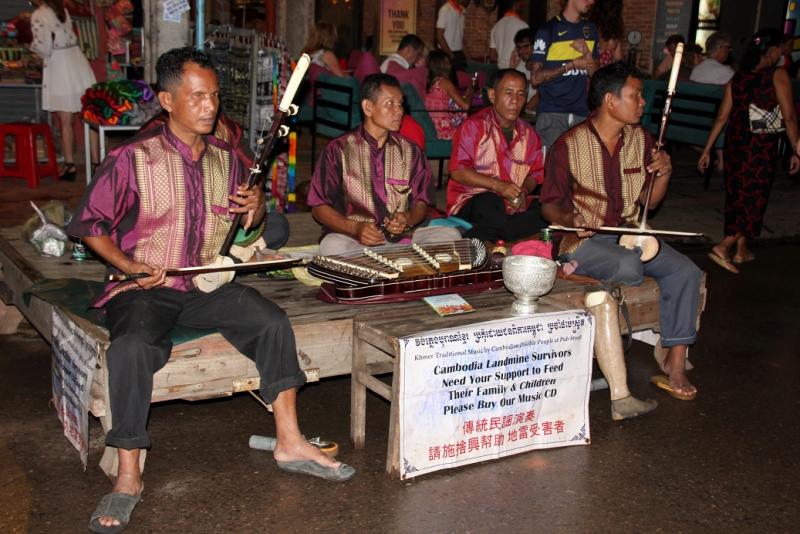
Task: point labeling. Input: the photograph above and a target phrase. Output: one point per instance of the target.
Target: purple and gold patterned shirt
(126, 202)
(340, 169)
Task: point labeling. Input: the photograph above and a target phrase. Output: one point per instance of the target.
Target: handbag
(764, 121)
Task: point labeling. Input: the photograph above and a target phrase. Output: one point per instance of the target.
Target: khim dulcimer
(223, 269)
(396, 273)
(641, 236)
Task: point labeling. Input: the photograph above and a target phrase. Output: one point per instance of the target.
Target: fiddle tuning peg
(294, 109)
(283, 131)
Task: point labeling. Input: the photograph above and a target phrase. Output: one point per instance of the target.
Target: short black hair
(372, 84)
(611, 79)
(524, 33)
(502, 73)
(169, 67)
(411, 40)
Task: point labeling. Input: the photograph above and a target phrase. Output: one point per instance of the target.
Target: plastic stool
(26, 163)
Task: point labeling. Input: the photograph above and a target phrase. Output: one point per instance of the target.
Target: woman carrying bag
(758, 108)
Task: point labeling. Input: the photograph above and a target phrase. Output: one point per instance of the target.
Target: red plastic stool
(26, 164)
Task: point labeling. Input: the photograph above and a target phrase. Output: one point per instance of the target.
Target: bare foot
(675, 367)
(129, 483)
(720, 251)
(293, 450)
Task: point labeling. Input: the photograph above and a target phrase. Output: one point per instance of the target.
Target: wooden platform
(210, 367)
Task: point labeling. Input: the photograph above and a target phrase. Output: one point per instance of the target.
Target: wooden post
(393, 448)
(358, 394)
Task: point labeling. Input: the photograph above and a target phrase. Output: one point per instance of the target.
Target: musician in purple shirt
(164, 200)
(596, 174)
(372, 184)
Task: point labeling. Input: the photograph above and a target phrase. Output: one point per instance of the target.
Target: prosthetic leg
(611, 357)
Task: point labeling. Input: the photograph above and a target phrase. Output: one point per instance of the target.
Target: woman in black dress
(750, 157)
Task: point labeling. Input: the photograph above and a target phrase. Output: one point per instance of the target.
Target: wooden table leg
(393, 448)
(358, 394)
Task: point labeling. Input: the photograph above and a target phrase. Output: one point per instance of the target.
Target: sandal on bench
(115, 505)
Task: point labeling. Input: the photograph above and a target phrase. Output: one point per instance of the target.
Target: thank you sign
(494, 389)
(398, 18)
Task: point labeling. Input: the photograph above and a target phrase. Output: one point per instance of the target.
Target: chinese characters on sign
(398, 18)
(494, 389)
(74, 358)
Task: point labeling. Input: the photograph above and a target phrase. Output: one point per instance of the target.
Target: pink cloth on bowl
(533, 247)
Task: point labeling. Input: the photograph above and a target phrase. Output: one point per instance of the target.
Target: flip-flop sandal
(723, 262)
(309, 467)
(116, 505)
(662, 381)
(743, 259)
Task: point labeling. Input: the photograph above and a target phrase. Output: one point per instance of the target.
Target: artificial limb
(611, 357)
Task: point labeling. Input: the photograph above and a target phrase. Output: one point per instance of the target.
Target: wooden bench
(203, 368)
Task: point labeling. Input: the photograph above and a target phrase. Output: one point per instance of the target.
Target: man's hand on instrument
(661, 164)
(368, 234)
(157, 275)
(397, 223)
(251, 202)
(508, 190)
(579, 222)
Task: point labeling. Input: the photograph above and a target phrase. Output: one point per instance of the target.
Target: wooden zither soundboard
(396, 273)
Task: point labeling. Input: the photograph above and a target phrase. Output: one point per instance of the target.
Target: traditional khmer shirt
(366, 183)
(479, 144)
(159, 206)
(582, 175)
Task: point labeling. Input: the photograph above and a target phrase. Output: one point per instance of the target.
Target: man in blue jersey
(564, 57)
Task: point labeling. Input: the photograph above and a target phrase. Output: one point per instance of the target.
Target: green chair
(336, 109)
(435, 148)
(694, 108)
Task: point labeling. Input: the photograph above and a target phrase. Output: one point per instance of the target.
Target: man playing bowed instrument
(596, 174)
(165, 199)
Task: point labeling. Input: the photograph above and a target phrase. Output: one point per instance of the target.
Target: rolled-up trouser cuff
(666, 343)
(128, 443)
(269, 392)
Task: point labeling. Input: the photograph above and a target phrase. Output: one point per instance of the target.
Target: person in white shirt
(501, 38)
(409, 51)
(713, 69)
(450, 31)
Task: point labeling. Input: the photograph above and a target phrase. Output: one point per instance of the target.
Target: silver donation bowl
(528, 278)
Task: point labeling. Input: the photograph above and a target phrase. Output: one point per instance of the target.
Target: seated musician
(495, 165)
(373, 184)
(596, 174)
(165, 199)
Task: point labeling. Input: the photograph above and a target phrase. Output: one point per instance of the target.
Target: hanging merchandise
(253, 69)
(120, 102)
(231, 50)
